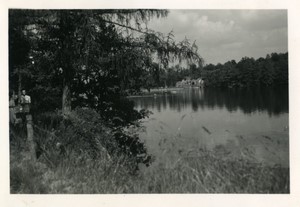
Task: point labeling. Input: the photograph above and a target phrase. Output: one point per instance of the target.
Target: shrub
(83, 131)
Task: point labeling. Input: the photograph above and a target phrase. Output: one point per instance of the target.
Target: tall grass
(205, 174)
(110, 171)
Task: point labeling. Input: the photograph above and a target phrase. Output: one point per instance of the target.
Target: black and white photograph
(148, 101)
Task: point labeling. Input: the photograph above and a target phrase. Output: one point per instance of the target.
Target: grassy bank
(91, 163)
(204, 174)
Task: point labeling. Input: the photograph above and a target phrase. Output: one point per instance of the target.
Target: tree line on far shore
(248, 72)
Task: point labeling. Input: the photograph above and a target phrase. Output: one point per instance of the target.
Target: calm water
(239, 123)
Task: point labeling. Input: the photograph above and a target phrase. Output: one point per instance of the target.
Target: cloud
(224, 35)
(263, 19)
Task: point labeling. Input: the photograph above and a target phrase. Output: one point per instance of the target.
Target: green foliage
(269, 71)
(84, 132)
(170, 76)
(97, 54)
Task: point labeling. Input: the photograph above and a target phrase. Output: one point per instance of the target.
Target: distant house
(200, 82)
(190, 83)
(181, 84)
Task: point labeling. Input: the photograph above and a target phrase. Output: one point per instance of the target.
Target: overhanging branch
(125, 26)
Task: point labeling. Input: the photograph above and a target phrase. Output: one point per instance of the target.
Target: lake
(246, 123)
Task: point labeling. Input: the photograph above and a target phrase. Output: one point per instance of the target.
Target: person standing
(25, 102)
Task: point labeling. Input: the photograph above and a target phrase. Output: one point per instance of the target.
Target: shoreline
(153, 91)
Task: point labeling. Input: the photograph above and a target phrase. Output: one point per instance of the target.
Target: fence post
(30, 136)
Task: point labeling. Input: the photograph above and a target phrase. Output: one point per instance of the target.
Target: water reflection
(272, 100)
(237, 123)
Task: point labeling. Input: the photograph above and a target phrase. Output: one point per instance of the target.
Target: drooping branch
(124, 26)
(165, 47)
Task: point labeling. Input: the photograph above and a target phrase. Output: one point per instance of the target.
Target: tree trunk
(66, 99)
(66, 58)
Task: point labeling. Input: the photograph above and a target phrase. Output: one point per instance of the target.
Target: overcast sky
(223, 35)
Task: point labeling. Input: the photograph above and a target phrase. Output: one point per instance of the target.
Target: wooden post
(30, 140)
(20, 85)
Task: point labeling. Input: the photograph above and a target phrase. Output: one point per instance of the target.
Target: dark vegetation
(87, 58)
(248, 72)
(78, 66)
(269, 71)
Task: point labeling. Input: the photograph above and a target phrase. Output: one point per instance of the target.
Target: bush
(83, 131)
